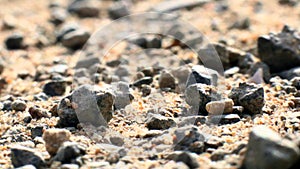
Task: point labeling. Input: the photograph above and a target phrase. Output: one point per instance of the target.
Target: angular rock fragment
(280, 52)
(54, 138)
(159, 122)
(87, 62)
(224, 119)
(189, 138)
(68, 152)
(167, 81)
(198, 95)
(87, 105)
(250, 96)
(37, 112)
(14, 41)
(267, 149)
(118, 10)
(123, 97)
(21, 156)
(181, 156)
(55, 88)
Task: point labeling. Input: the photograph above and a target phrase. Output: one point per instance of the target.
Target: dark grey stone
(118, 10)
(86, 8)
(14, 41)
(159, 122)
(68, 152)
(75, 39)
(181, 156)
(21, 156)
(18, 105)
(55, 88)
(250, 96)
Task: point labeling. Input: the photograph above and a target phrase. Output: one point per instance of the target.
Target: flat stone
(173, 5)
(21, 156)
(219, 107)
(267, 149)
(54, 138)
(87, 8)
(75, 39)
(87, 62)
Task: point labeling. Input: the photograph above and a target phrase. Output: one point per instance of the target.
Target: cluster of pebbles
(150, 101)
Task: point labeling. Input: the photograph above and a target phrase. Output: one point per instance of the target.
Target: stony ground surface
(149, 102)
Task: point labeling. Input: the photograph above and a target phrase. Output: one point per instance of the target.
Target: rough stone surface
(198, 95)
(181, 156)
(92, 106)
(219, 107)
(250, 96)
(68, 152)
(54, 138)
(167, 81)
(55, 88)
(267, 149)
(159, 122)
(280, 52)
(21, 156)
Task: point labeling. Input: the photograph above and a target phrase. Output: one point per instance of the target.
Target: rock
(65, 29)
(87, 8)
(37, 131)
(201, 74)
(87, 62)
(54, 138)
(21, 156)
(218, 155)
(267, 149)
(241, 24)
(296, 82)
(154, 42)
(273, 48)
(250, 96)
(265, 70)
(55, 88)
(225, 119)
(195, 120)
(219, 107)
(188, 138)
(37, 112)
(58, 15)
(14, 41)
(29, 166)
(123, 97)
(167, 81)
(188, 158)
(173, 5)
(18, 105)
(257, 78)
(159, 122)
(181, 74)
(143, 81)
(68, 152)
(198, 95)
(146, 90)
(69, 166)
(290, 74)
(75, 39)
(288, 2)
(118, 10)
(231, 71)
(87, 105)
(60, 69)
